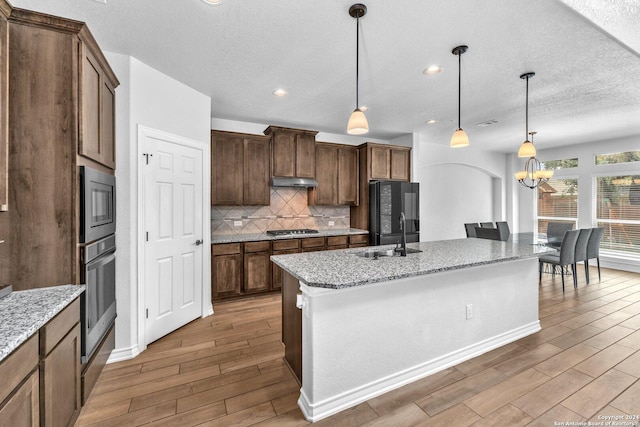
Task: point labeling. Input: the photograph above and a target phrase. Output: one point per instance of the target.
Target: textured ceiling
(584, 53)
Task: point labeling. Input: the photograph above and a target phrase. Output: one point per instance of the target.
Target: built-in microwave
(97, 204)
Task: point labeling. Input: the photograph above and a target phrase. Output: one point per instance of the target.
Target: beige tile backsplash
(288, 210)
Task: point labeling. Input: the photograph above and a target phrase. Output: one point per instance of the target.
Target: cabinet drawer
(57, 328)
(312, 242)
(337, 240)
(256, 246)
(284, 245)
(225, 249)
(358, 239)
(17, 366)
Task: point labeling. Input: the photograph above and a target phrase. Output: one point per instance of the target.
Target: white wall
(458, 186)
(145, 97)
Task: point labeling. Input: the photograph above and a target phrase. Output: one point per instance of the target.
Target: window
(617, 205)
(613, 158)
(560, 164)
(557, 202)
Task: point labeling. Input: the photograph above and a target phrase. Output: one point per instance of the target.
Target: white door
(173, 245)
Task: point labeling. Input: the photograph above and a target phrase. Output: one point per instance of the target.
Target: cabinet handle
(199, 242)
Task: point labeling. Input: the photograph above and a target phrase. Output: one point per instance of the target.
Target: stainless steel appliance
(388, 200)
(98, 306)
(97, 204)
(296, 231)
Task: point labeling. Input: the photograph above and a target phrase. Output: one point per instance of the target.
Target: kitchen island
(368, 325)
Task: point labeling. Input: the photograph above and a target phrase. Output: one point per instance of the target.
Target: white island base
(363, 341)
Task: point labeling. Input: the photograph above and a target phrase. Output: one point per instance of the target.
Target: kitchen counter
(344, 269)
(22, 313)
(356, 327)
(253, 237)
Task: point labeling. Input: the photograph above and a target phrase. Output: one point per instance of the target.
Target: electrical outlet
(469, 311)
(237, 223)
(332, 223)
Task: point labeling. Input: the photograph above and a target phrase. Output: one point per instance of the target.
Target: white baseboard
(208, 310)
(319, 410)
(120, 354)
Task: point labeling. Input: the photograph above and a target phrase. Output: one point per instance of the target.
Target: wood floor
(227, 370)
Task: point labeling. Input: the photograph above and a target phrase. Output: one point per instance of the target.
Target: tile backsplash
(288, 210)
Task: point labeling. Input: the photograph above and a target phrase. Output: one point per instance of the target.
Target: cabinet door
(348, 175)
(23, 407)
(327, 175)
(380, 159)
(226, 277)
(400, 165)
(60, 381)
(90, 138)
(107, 122)
(4, 113)
(284, 154)
(257, 272)
(256, 172)
(305, 156)
(227, 164)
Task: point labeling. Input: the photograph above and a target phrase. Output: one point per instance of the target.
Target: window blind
(617, 204)
(557, 202)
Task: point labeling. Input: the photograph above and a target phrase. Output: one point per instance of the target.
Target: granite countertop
(22, 313)
(236, 238)
(343, 269)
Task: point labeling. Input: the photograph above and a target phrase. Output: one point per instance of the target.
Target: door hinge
(147, 236)
(147, 313)
(146, 156)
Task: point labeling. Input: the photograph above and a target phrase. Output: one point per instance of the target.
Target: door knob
(199, 242)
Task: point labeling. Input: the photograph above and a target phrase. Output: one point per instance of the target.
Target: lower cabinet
(41, 378)
(257, 267)
(226, 266)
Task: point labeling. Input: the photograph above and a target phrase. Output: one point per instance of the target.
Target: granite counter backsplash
(22, 313)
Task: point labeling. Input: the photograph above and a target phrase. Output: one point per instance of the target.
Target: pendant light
(459, 138)
(357, 122)
(527, 149)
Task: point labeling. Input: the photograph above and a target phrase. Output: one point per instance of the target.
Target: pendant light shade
(357, 124)
(459, 138)
(527, 149)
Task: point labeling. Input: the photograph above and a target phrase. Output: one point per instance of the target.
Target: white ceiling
(585, 54)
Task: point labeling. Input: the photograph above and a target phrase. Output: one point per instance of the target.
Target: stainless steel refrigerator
(387, 199)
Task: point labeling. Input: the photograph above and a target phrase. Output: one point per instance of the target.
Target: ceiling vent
(487, 123)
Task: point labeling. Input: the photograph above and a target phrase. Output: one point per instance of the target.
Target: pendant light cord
(357, 61)
(526, 114)
(459, 85)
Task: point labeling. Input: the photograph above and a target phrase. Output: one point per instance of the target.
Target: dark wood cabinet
(5, 11)
(97, 115)
(337, 242)
(257, 267)
(276, 271)
(20, 386)
(358, 240)
(293, 152)
(22, 409)
(227, 268)
(66, 112)
(337, 172)
(378, 162)
(239, 169)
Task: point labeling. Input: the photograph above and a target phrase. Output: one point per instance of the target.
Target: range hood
(293, 182)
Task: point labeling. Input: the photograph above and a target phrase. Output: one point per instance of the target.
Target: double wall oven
(98, 256)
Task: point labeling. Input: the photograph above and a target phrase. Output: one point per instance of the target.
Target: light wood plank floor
(227, 370)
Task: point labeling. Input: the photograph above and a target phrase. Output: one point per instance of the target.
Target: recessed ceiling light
(212, 2)
(432, 70)
(487, 123)
(364, 108)
(431, 122)
(279, 92)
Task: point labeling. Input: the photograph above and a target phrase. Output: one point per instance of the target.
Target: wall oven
(97, 204)
(98, 308)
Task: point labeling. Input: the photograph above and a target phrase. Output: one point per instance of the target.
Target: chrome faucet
(403, 243)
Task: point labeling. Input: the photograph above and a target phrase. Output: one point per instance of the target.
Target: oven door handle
(102, 260)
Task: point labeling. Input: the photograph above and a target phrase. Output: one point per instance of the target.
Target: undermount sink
(380, 253)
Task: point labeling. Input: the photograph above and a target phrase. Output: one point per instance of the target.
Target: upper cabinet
(5, 11)
(337, 175)
(293, 153)
(239, 169)
(388, 162)
(97, 113)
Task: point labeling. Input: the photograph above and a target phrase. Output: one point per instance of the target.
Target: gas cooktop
(297, 231)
